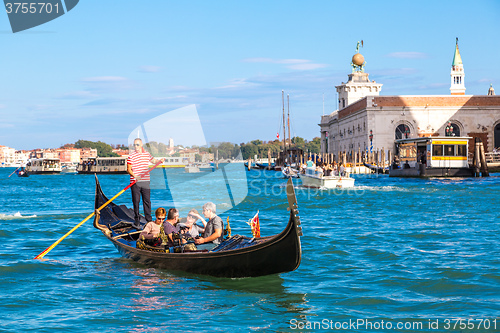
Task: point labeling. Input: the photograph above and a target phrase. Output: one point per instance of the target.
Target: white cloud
(408, 55)
(237, 83)
(295, 64)
(149, 69)
(394, 72)
(101, 85)
(105, 79)
(79, 94)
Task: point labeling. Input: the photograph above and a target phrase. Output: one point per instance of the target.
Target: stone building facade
(370, 122)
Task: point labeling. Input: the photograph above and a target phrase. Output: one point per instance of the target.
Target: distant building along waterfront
(368, 122)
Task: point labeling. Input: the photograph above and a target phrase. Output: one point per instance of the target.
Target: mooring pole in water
(482, 156)
(476, 161)
(383, 159)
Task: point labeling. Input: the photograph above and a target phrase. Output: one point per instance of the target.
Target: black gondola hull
(271, 255)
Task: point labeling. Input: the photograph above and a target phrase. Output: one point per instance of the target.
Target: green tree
(103, 149)
(314, 146)
(249, 150)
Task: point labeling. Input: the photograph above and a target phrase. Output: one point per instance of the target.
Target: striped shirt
(139, 162)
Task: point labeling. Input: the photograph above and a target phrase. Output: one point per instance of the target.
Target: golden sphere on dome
(358, 59)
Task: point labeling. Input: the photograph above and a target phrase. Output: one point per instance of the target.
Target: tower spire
(457, 59)
(457, 73)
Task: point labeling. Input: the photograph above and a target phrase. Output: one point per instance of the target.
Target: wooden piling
(383, 160)
(484, 165)
(476, 161)
(269, 159)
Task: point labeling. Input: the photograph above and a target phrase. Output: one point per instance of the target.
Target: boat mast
(284, 131)
(289, 137)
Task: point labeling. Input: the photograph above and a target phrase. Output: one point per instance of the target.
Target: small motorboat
(289, 172)
(315, 179)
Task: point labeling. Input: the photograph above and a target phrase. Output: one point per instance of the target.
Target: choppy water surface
(404, 252)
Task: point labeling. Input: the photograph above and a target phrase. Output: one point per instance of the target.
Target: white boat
(68, 167)
(191, 169)
(315, 179)
(109, 165)
(174, 162)
(289, 172)
(44, 166)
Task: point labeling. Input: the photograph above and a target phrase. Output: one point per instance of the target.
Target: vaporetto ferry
(102, 165)
(432, 157)
(44, 166)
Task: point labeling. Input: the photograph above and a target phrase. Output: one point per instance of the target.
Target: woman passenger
(152, 229)
(194, 229)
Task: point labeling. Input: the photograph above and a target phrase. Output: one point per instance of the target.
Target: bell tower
(358, 85)
(457, 74)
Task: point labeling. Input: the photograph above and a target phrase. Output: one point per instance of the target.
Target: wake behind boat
(236, 257)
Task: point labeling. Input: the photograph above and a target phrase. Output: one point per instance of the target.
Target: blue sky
(105, 67)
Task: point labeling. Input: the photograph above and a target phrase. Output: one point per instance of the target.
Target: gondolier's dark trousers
(138, 189)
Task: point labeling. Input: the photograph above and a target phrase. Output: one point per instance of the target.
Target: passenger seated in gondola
(193, 229)
(170, 227)
(213, 234)
(150, 235)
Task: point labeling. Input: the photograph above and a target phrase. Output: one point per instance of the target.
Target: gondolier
(138, 163)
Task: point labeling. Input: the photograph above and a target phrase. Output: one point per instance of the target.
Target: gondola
(236, 257)
(22, 172)
(377, 169)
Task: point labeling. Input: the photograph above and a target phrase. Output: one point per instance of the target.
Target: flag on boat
(278, 135)
(255, 225)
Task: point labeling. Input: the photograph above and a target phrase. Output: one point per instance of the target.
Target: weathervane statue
(358, 61)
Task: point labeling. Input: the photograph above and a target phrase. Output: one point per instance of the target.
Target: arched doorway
(402, 132)
(497, 136)
(452, 129)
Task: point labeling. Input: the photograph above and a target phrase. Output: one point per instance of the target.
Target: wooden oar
(13, 172)
(47, 250)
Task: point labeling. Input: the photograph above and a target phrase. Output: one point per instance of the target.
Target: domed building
(366, 121)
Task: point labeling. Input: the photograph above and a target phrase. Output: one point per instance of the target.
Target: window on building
(452, 129)
(461, 150)
(449, 150)
(402, 132)
(437, 150)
